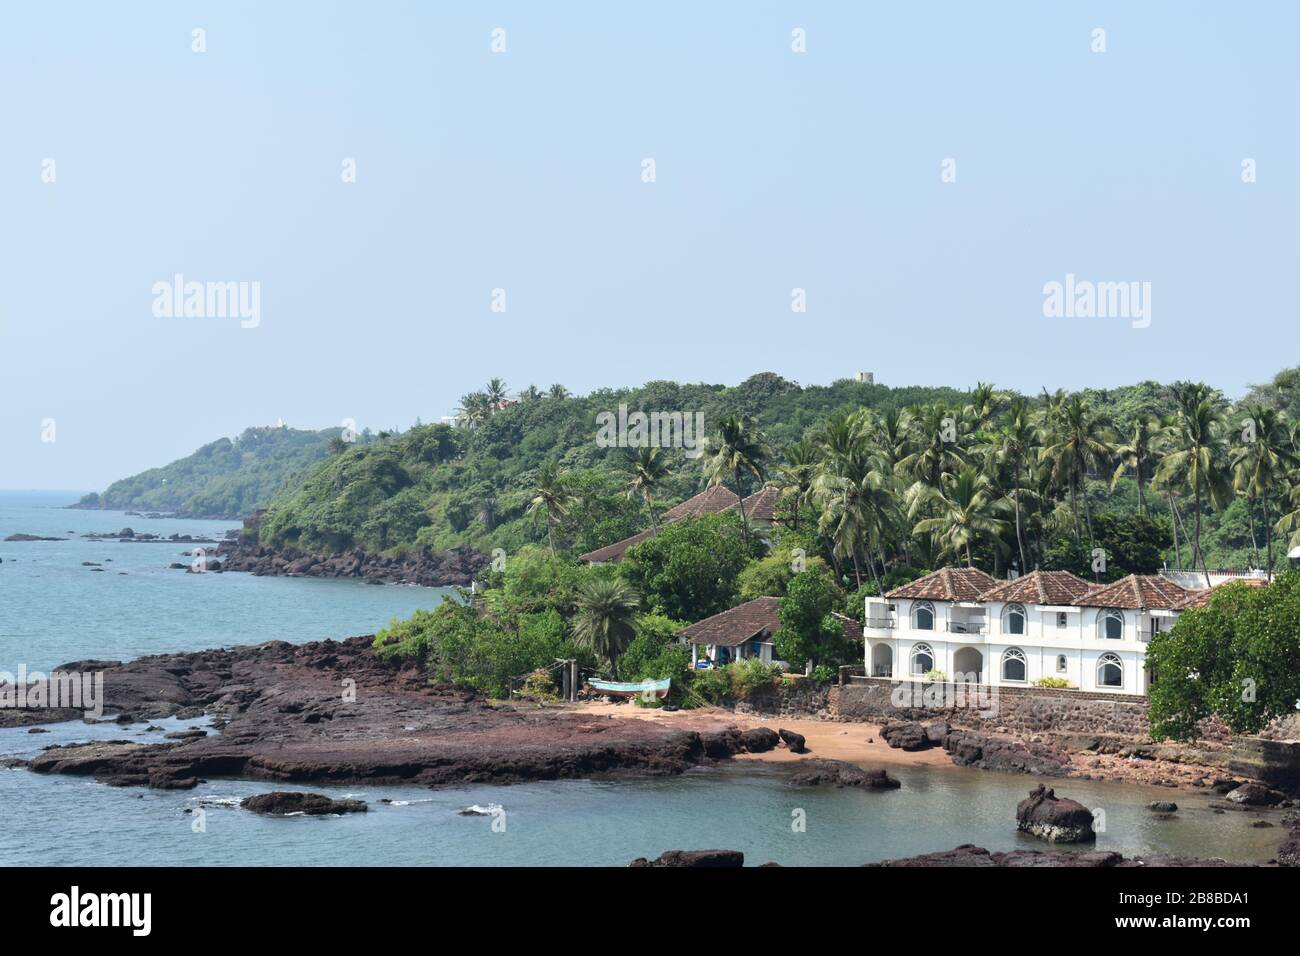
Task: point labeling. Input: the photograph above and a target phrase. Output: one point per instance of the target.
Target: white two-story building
(969, 627)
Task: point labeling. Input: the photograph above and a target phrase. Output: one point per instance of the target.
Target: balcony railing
(967, 627)
(879, 622)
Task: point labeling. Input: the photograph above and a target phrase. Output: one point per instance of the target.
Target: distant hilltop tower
(868, 378)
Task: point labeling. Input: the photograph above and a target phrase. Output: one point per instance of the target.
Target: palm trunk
(650, 507)
(1197, 552)
(550, 539)
(1074, 507)
(1268, 539)
(1020, 541)
(744, 525)
(1254, 540)
(1142, 501)
(1173, 524)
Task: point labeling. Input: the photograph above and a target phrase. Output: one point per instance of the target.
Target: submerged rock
(694, 858)
(837, 773)
(1055, 819)
(969, 855)
(284, 802)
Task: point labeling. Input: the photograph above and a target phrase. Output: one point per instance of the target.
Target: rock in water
(1255, 795)
(283, 802)
(794, 741)
(694, 858)
(1057, 820)
(837, 773)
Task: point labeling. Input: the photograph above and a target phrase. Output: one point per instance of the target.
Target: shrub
(934, 674)
(824, 674)
(1052, 682)
(749, 677)
(712, 686)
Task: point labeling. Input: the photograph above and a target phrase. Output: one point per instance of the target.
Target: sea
(78, 599)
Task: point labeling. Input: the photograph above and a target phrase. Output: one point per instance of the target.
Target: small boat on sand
(652, 688)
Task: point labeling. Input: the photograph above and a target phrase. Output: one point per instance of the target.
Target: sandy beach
(856, 743)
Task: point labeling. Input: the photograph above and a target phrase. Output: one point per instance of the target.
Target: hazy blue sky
(522, 170)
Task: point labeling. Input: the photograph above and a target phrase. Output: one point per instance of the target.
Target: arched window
(1110, 671)
(1014, 667)
(923, 616)
(1013, 619)
(922, 659)
(1111, 625)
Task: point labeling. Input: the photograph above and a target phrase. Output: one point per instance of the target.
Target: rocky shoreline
(334, 712)
(456, 567)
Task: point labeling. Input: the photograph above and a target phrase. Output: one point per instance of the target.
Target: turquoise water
(53, 610)
(743, 806)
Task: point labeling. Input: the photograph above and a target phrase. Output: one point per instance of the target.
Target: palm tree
(741, 450)
(552, 499)
(933, 436)
(1196, 457)
(1076, 441)
(1137, 452)
(474, 409)
(558, 391)
(605, 618)
(967, 509)
(1013, 445)
(798, 472)
(496, 393)
(856, 516)
(1261, 462)
(649, 469)
(530, 394)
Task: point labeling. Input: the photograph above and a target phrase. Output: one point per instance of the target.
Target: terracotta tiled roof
(615, 551)
(761, 505)
(1136, 591)
(1040, 587)
(852, 627)
(758, 618)
(709, 501)
(947, 584)
(1200, 597)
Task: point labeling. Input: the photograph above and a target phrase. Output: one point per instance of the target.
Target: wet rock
(968, 855)
(31, 537)
(1255, 795)
(1162, 806)
(837, 773)
(1055, 819)
(711, 859)
(793, 740)
(283, 802)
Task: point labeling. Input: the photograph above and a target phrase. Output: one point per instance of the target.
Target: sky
(524, 170)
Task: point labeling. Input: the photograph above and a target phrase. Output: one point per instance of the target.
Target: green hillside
(225, 479)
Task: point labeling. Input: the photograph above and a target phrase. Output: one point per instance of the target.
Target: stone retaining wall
(1024, 710)
(800, 698)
